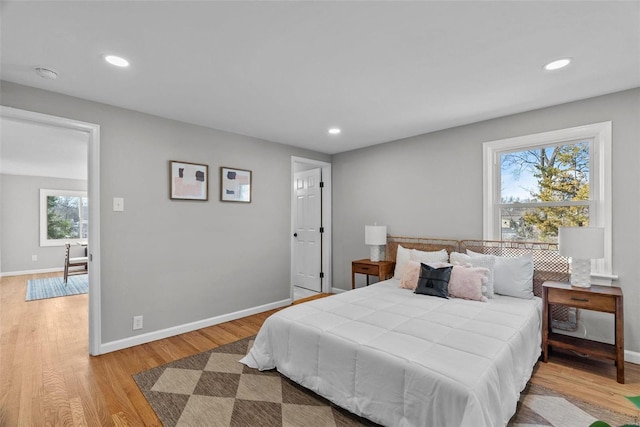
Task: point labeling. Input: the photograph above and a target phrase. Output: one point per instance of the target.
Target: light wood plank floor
(48, 378)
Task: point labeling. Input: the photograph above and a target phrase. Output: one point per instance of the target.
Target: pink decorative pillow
(468, 282)
(410, 275)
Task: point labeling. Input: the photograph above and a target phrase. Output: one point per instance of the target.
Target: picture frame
(188, 181)
(235, 185)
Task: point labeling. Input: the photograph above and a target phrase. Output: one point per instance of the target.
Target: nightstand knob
(295, 234)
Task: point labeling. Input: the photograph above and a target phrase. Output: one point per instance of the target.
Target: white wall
(431, 185)
(20, 223)
(177, 262)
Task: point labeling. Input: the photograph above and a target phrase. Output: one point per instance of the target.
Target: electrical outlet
(34, 257)
(137, 322)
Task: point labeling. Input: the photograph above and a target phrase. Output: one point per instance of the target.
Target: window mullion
(545, 204)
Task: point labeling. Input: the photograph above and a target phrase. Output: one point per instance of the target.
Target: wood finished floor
(47, 377)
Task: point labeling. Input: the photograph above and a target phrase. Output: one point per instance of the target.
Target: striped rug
(54, 287)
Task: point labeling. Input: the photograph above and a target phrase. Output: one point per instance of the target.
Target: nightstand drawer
(366, 269)
(585, 300)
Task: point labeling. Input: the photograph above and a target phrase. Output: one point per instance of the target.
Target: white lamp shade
(581, 242)
(375, 234)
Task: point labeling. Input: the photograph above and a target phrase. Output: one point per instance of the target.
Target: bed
(401, 359)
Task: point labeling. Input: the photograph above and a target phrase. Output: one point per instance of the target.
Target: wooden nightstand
(382, 269)
(597, 298)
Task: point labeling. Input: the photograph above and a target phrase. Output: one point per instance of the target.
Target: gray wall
(431, 185)
(20, 223)
(177, 262)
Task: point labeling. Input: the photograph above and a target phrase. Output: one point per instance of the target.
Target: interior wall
(178, 262)
(20, 223)
(431, 185)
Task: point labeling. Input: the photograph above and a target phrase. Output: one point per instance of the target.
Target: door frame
(326, 281)
(93, 193)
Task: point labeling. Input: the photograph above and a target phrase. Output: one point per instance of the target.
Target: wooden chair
(82, 261)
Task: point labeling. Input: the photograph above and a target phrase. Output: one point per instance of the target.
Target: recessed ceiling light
(116, 60)
(557, 64)
(47, 73)
(334, 131)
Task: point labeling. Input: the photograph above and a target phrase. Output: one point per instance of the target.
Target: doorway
(308, 229)
(92, 132)
(310, 226)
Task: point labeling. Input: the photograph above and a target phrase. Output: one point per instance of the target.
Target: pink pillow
(410, 275)
(468, 282)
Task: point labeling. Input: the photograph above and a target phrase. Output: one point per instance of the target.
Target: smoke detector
(46, 73)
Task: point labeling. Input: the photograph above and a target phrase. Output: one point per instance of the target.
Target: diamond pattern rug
(213, 389)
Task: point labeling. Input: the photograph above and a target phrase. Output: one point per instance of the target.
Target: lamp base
(581, 273)
(376, 253)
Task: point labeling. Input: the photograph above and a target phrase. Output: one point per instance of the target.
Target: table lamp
(581, 244)
(376, 236)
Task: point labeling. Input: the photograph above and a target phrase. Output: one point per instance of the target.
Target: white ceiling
(287, 71)
(33, 149)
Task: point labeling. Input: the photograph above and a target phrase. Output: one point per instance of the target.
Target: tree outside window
(63, 217)
(543, 189)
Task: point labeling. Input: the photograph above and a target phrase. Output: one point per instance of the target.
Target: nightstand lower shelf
(583, 346)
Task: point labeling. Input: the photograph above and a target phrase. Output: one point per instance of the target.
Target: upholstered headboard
(548, 264)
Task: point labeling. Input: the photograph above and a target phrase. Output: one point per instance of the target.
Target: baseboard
(632, 357)
(188, 327)
(43, 270)
(337, 290)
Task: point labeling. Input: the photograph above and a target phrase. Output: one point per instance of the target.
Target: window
(537, 183)
(64, 217)
(544, 188)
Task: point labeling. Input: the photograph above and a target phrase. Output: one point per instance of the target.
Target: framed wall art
(235, 185)
(188, 181)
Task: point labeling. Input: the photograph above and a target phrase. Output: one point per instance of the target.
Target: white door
(307, 237)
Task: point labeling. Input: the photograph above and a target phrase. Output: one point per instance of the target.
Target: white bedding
(402, 359)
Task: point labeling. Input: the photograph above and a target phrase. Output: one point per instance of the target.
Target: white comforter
(402, 359)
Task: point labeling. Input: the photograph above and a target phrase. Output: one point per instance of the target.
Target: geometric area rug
(53, 287)
(213, 389)
(540, 406)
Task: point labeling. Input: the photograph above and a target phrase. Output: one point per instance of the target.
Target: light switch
(118, 204)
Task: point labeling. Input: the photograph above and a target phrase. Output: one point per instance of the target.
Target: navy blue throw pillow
(434, 281)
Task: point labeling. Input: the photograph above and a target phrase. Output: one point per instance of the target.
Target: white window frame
(599, 135)
(44, 193)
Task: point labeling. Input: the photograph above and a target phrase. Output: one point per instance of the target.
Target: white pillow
(480, 260)
(427, 257)
(512, 276)
(403, 255)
